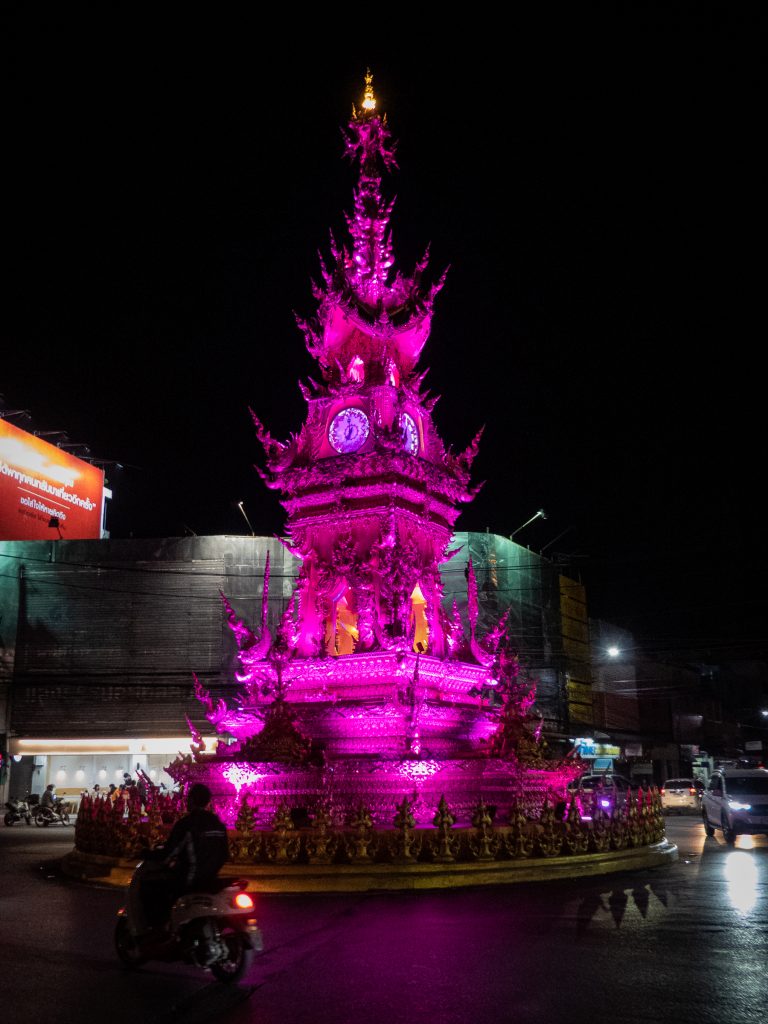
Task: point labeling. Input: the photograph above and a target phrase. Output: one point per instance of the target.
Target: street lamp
(541, 514)
(245, 517)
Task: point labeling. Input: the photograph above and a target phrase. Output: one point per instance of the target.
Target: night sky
(594, 188)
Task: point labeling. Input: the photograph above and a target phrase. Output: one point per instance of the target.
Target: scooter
(18, 810)
(216, 930)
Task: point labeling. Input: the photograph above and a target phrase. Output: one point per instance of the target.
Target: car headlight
(735, 805)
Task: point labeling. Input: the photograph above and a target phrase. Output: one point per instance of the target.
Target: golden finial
(369, 100)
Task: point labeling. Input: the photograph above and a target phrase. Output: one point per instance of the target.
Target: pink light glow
(356, 370)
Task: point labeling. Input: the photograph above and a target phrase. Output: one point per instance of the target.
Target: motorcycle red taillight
(243, 901)
(692, 791)
(661, 791)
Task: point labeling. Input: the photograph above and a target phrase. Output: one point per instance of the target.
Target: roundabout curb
(116, 872)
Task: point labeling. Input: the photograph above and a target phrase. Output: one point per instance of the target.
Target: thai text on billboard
(46, 493)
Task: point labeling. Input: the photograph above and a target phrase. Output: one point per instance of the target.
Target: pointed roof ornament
(369, 138)
(360, 292)
(368, 106)
(369, 100)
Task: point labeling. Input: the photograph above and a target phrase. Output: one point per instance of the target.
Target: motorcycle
(18, 810)
(58, 814)
(216, 929)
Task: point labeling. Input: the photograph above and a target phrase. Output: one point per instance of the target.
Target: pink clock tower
(370, 490)
(370, 685)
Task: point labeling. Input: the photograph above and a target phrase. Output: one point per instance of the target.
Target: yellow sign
(580, 692)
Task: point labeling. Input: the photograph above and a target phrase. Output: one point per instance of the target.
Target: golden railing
(124, 829)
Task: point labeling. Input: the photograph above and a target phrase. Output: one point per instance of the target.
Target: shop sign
(589, 748)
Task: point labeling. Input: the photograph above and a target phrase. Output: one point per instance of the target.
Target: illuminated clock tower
(369, 687)
(370, 490)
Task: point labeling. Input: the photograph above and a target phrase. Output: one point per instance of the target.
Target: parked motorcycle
(216, 930)
(18, 810)
(58, 814)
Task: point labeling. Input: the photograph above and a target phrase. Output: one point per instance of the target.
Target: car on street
(680, 795)
(736, 801)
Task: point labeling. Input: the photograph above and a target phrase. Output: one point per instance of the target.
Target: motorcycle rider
(49, 798)
(190, 860)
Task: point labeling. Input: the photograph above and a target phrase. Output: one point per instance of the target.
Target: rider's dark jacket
(197, 848)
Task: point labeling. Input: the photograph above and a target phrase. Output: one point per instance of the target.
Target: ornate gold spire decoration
(369, 100)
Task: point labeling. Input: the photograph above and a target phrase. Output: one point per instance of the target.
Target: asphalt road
(687, 943)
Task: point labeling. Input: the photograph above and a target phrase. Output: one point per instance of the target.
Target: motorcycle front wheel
(9, 819)
(239, 957)
(126, 947)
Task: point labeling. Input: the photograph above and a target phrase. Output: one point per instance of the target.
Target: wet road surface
(687, 943)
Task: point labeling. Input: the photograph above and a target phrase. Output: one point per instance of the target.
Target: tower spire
(372, 321)
(369, 100)
(369, 141)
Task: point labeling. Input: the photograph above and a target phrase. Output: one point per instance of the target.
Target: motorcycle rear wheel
(238, 961)
(41, 819)
(126, 947)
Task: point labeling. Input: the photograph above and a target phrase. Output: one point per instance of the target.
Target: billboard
(45, 493)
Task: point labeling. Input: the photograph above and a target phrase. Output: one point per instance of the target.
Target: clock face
(349, 430)
(410, 434)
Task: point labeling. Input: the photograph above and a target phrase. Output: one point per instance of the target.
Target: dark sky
(596, 187)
